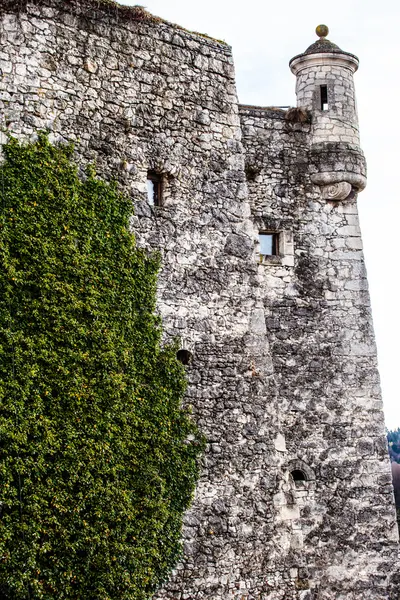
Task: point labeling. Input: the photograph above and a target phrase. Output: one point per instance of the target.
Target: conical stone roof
(323, 45)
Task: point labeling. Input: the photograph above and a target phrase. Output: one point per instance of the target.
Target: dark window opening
(251, 172)
(269, 244)
(184, 356)
(324, 97)
(154, 188)
(298, 476)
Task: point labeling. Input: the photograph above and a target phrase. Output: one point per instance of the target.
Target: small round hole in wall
(184, 356)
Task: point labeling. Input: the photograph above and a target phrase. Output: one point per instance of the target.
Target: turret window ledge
(276, 247)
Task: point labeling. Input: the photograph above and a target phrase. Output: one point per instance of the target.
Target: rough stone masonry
(263, 283)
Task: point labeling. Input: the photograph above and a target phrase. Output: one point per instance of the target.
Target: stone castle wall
(283, 373)
(319, 329)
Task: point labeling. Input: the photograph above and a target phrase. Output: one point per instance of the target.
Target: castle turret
(325, 88)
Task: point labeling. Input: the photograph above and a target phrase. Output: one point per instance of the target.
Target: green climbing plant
(98, 461)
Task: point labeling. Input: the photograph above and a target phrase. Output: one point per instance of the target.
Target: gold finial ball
(322, 31)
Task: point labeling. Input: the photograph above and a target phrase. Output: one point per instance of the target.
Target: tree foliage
(98, 459)
(393, 438)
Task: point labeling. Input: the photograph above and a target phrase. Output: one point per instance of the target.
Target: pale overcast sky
(264, 37)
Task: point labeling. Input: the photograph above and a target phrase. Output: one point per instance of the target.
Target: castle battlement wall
(283, 377)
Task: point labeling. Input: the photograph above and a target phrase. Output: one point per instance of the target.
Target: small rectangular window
(324, 97)
(154, 188)
(269, 244)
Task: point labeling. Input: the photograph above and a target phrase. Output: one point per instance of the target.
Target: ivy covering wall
(97, 459)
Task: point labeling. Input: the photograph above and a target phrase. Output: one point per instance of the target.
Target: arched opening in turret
(300, 474)
(299, 477)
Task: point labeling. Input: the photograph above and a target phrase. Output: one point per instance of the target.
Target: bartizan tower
(325, 87)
